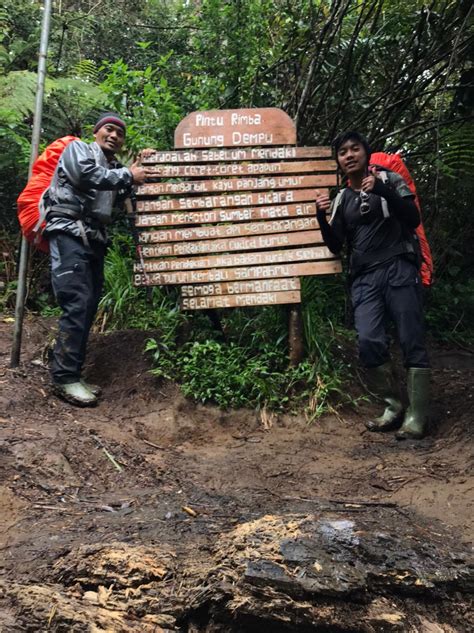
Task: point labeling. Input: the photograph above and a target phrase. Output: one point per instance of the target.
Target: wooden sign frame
(230, 215)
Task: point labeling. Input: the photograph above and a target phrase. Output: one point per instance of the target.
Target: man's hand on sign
(148, 151)
(139, 173)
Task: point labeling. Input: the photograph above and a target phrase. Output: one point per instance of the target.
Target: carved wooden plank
(231, 230)
(215, 195)
(234, 274)
(304, 254)
(240, 301)
(227, 128)
(214, 216)
(257, 242)
(241, 169)
(248, 154)
(231, 200)
(241, 287)
(236, 184)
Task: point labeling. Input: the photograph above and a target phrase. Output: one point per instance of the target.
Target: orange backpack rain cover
(395, 163)
(29, 199)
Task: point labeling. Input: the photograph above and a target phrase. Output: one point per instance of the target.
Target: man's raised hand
(323, 202)
(139, 173)
(370, 181)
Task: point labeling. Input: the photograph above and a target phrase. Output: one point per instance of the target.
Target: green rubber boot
(94, 389)
(417, 415)
(381, 383)
(75, 393)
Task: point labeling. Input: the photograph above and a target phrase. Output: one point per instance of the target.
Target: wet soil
(151, 512)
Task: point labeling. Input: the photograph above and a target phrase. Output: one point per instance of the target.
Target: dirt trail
(153, 513)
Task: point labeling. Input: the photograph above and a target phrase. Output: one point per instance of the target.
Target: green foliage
(7, 296)
(456, 152)
(330, 65)
(50, 311)
(125, 306)
(68, 103)
(17, 96)
(257, 328)
(239, 33)
(250, 367)
(86, 69)
(230, 375)
(17, 92)
(20, 23)
(147, 99)
(450, 310)
(14, 158)
(71, 102)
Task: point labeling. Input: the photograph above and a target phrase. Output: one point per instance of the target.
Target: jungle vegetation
(400, 71)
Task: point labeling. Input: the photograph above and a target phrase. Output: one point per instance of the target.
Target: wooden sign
(234, 225)
(228, 200)
(237, 184)
(242, 169)
(213, 216)
(230, 128)
(245, 154)
(209, 231)
(240, 301)
(277, 271)
(257, 242)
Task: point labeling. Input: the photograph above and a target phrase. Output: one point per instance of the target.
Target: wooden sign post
(231, 216)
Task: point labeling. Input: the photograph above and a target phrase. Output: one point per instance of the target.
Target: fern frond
(71, 105)
(86, 69)
(17, 92)
(457, 151)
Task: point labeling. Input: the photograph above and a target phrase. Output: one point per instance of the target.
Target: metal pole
(35, 139)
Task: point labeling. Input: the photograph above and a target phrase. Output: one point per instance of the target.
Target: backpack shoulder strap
(336, 204)
(384, 177)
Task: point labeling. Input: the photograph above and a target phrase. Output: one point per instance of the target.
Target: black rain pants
(77, 275)
(392, 293)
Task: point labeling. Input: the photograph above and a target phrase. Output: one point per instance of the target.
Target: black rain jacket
(84, 187)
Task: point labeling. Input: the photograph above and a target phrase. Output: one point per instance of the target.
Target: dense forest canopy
(399, 71)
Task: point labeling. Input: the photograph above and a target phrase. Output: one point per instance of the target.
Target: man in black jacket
(376, 220)
(87, 184)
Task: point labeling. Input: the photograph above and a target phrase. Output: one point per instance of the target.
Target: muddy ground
(153, 513)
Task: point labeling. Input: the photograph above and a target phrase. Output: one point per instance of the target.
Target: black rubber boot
(417, 415)
(381, 383)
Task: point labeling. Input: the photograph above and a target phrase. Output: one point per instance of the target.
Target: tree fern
(86, 69)
(71, 105)
(457, 152)
(17, 92)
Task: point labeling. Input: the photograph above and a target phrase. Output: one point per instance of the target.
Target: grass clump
(124, 306)
(227, 374)
(248, 366)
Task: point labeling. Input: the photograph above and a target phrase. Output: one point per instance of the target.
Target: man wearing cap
(87, 184)
(376, 220)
